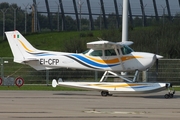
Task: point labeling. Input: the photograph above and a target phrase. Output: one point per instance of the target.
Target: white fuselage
(130, 62)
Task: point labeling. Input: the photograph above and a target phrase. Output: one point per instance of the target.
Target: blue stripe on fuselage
(90, 62)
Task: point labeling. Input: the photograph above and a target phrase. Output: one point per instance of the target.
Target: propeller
(157, 64)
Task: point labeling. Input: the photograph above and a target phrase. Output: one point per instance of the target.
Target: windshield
(126, 50)
(85, 52)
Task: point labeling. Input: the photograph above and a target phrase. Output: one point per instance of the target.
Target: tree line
(43, 23)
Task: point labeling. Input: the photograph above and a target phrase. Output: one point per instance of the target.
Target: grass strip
(38, 87)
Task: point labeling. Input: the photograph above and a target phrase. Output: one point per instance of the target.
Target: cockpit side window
(96, 53)
(110, 52)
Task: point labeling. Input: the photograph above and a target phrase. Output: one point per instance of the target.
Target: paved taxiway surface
(86, 105)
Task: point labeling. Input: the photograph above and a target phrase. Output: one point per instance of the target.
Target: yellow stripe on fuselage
(124, 58)
(113, 61)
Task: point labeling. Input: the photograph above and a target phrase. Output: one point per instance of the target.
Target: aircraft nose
(154, 59)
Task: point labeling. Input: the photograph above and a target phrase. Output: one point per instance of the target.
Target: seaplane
(113, 58)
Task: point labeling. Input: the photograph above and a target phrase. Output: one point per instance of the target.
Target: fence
(168, 71)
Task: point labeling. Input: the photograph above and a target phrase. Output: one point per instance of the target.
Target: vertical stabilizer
(20, 47)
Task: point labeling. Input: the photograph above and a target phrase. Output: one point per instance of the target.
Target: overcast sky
(95, 5)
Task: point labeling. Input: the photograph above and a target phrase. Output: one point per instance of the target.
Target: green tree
(9, 17)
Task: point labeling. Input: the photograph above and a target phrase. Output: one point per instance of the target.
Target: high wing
(103, 44)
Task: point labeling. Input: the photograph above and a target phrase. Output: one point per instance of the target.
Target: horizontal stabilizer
(30, 59)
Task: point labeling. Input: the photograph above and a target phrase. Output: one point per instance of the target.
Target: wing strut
(118, 55)
(113, 74)
(103, 77)
(135, 75)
